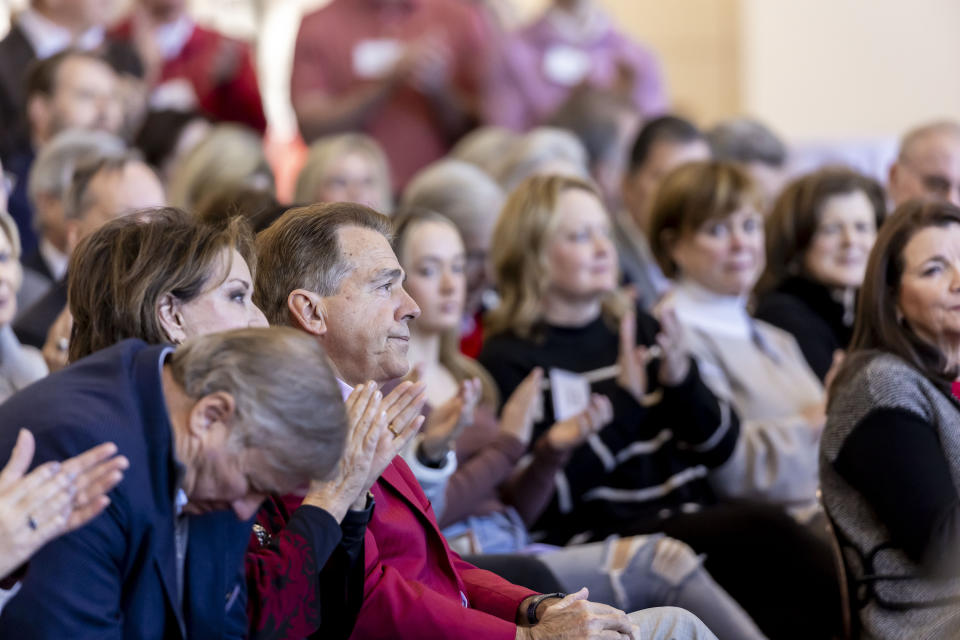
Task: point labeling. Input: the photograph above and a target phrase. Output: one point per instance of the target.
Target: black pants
(525, 571)
(780, 572)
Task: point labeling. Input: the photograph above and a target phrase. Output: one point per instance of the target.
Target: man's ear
(307, 311)
(171, 320)
(209, 411)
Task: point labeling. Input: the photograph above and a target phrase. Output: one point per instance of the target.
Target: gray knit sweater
(885, 381)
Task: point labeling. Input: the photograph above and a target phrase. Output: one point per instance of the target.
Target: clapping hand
(571, 433)
(448, 421)
(367, 423)
(53, 499)
(520, 409)
(674, 359)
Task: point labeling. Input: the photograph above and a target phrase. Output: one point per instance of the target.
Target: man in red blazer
(189, 67)
(329, 269)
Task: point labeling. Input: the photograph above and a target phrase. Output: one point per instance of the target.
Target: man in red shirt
(407, 72)
(190, 67)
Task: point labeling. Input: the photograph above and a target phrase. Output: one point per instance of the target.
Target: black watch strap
(532, 607)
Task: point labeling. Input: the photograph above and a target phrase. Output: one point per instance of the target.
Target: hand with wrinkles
(347, 488)
(576, 618)
(53, 499)
(402, 407)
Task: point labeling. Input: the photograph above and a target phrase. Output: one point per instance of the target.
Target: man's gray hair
(539, 148)
(288, 402)
(746, 140)
(462, 192)
(52, 171)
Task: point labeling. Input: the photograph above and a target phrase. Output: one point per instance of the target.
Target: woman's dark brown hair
(792, 224)
(877, 327)
(119, 273)
(690, 196)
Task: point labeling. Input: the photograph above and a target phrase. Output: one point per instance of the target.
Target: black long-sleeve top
(649, 462)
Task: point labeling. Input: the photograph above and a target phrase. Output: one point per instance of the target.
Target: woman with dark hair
(818, 238)
(890, 455)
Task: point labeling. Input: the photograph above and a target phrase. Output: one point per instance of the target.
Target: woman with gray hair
(348, 167)
(543, 151)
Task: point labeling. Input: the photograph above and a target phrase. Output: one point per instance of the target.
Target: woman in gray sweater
(890, 453)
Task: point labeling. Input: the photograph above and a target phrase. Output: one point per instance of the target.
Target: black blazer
(32, 325)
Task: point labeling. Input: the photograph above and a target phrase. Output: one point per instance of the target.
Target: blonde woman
(229, 155)
(489, 498)
(349, 167)
(647, 471)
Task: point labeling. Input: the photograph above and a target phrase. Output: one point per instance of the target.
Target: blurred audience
(706, 231)
(471, 200)
(187, 66)
(19, 365)
(606, 123)
(573, 44)
(818, 237)
(757, 149)
(258, 207)
(889, 461)
(487, 500)
(167, 136)
(662, 145)
(409, 74)
(928, 164)
(556, 273)
(208, 429)
(203, 170)
(348, 167)
(69, 90)
(47, 188)
(542, 151)
(107, 188)
(46, 28)
(484, 147)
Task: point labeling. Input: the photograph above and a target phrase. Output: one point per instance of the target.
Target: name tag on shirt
(376, 58)
(566, 65)
(571, 393)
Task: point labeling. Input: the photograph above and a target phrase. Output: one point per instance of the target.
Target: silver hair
(747, 140)
(458, 190)
(288, 402)
(52, 171)
(539, 148)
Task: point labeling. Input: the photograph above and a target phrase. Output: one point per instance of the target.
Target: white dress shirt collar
(49, 38)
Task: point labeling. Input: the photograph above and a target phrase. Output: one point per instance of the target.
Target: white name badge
(571, 393)
(176, 94)
(566, 65)
(376, 58)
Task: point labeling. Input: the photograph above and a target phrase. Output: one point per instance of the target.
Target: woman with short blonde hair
(348, 167)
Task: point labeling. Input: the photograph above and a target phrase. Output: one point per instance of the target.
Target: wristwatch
(532, 607)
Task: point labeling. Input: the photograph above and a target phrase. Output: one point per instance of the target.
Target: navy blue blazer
(116, 577)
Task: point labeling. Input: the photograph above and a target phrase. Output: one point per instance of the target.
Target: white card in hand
(566, 65)
(571, 393)
(376, 58)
